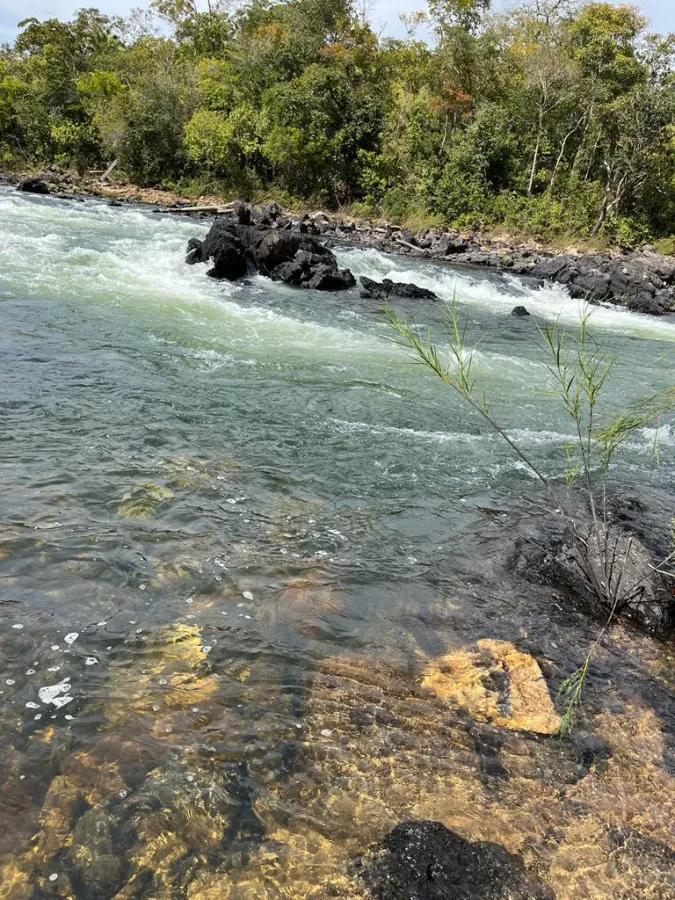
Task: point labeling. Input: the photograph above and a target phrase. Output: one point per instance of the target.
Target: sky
(385, 13)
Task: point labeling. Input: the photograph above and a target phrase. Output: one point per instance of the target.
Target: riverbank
(643, 281)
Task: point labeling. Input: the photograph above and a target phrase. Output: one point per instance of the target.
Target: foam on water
(90, 253)
(501, 293)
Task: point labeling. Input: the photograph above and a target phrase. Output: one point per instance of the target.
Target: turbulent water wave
(500, 293)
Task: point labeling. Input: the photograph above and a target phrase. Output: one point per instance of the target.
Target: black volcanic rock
(426, 861)
(384, 290)
(33, 186)
(237, 249)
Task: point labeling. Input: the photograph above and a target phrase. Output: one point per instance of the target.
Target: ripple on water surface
(257, 604)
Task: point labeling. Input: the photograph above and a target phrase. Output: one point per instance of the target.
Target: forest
(551, 119)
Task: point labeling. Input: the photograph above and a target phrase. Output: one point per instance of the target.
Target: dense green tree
(552, 117)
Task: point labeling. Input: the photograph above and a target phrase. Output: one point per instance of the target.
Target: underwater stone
(497, 684)
(92, 852)
(426, 861)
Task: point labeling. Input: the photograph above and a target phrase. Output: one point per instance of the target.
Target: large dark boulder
(629, 539)
(33, 186)
(224, 247)
(229, 262)
(426, 861)
(298, 259)
(386, 289)
(329, 277)
(641, 593)
(275, 249)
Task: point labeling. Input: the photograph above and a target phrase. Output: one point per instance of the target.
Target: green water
(223, 494)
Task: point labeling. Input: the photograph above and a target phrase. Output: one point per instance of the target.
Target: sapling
(581, 369)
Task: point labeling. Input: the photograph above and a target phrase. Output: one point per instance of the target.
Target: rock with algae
(141, 501)
(498, 684)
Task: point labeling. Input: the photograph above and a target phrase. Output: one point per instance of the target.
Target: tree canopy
(553, 117)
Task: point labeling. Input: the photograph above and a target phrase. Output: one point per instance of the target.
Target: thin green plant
(580, 369)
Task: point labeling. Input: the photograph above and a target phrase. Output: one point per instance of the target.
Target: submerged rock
(496, 684)
(33, 186)
(426, 861)
(520, 312)
(374, 290)
(92, 853)
(141, 501)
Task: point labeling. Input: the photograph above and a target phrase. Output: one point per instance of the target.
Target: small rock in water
(71, 638)
(33, 186)
(247, 595)
(520, 312)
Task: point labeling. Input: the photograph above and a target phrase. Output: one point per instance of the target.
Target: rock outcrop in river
(643, 280)
(374, 290)
(237, 248)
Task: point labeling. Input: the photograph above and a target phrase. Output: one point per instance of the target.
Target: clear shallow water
(263, 524)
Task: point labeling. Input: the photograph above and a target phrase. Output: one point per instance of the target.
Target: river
(238, 525)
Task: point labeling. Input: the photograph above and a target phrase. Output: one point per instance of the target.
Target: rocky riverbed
(641, 280)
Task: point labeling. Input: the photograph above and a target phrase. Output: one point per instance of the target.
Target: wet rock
(33, 186)
(115, 203)
(421, 860)
(591, 749)
(328, 277)
(194, 252)
(92, 853)
(289, 256)
(229, 261)
(373, 290)
(640, 591)
(276, 249)
(57, 816)
(141, 501)
(520, 312)
(498, 684)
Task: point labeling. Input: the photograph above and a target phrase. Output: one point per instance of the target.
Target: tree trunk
(592, 156)
(605, 204)
(562, 152)
(536, 152)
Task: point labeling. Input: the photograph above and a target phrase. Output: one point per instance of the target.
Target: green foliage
(549, 119)
(580, 370)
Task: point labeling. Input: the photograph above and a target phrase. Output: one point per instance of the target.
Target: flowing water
(241, 534)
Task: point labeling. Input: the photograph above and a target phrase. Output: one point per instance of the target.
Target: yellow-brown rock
(496, 683)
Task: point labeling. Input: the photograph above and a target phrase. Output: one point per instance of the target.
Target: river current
(240, 530)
